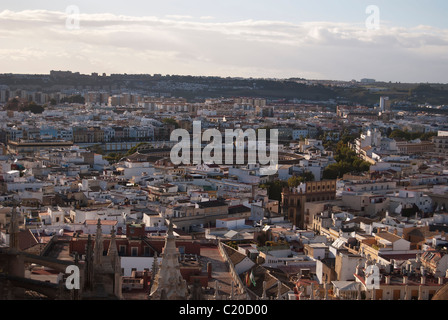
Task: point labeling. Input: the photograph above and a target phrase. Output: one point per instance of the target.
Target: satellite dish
(61, 232)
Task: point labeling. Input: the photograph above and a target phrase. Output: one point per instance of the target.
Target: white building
(53, 217)
(231, 223)
(154, 221)
(409, 197)
(135, 169)
(129, 264)
(90, 226)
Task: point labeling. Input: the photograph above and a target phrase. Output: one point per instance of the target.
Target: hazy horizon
(259, 39)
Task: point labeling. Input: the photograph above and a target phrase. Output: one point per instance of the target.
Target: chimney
(209, 270)
(405, 279)
(358, 270)
(422, 280)
(387, 279)
(440, 280)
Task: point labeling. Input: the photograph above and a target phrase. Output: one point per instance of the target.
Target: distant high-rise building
(384, 104)
(366, 80)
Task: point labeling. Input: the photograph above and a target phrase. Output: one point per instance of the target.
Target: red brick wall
(79, 245)
(187, 273)
(135, 231)
(202, 279)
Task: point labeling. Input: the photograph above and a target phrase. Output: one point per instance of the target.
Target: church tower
(115, 264)
(168, 283)
(112, 253)
(99, 247)
(103, 273)
(14, 230)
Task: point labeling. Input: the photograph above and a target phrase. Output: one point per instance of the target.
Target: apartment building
(294, 200)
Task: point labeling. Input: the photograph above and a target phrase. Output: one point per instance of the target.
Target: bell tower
(168, 283)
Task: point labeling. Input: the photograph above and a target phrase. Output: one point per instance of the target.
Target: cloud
(177, 16)
(260, 48)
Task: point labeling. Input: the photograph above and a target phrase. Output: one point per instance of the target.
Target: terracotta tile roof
(103, 222)
(27, 240)
(388, 236)
(399, 257)
(262, 275)
(234, 256)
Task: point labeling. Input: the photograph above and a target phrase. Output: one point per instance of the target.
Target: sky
(395, 40)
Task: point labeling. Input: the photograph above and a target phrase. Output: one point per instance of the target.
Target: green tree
(135, 148)
(275, 189)
(171, 121)
(294, 181)
(347, 161)
(97, 149)
(74, 99)
(113, 157)
(34, 108)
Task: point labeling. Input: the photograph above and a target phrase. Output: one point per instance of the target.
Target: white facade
(230, 223)
(348, 263)
(409, 197)
(117, 214)
(136, 169)
(137, 263)
(153, 221)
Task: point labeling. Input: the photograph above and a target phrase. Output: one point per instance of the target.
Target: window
(134, 251)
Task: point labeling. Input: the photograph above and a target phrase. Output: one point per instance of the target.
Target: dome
(442, 293)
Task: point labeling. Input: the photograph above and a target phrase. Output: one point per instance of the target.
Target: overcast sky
(321, 39)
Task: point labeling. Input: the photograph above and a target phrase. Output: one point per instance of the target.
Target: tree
(406, 135)
(34, 108)
(135, 148)
(74, 99)
(295, 181)
(171, 121)
(113, 157)
(347, 161)
(308, 176)
(275, 189)
(97, 149)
